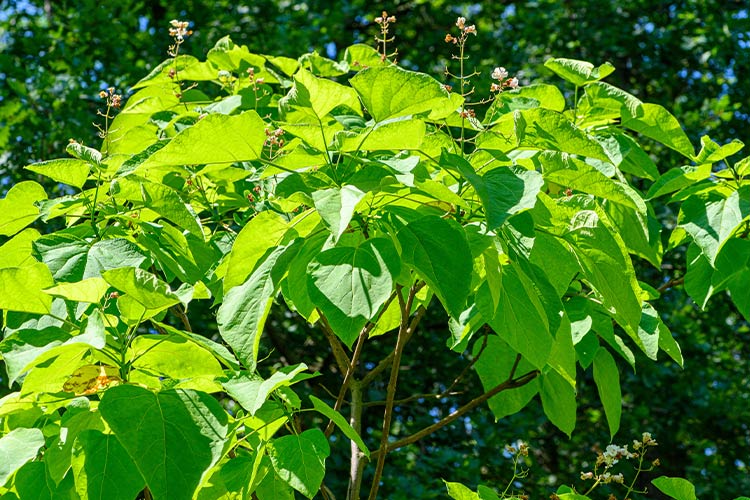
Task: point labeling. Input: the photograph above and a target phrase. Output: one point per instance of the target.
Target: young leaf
(70, 171)
(675, 487)
(300, 460)
(577, 72)
(336, 207)
(341, 422)
(458, 491)
(18, 209)
(655, 122)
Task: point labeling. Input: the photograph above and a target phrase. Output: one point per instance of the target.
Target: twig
(414, 397)
(508, 384)
(179, 311)
(342, 360)
(671, 283)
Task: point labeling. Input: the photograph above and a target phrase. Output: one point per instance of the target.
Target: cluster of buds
(113, 100)
(251, 196)
(384, 20)
(501, 75)
(465, 31)
(522, 449)
(646, 440)
(179, 30)
(273, 137)
(253, 80)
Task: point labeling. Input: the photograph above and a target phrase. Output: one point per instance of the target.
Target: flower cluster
(384, 19)
(501, 74)
(113, 100)
(179, 30)
(253, 80)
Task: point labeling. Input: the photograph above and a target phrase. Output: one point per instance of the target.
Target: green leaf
(573, 173)
(21, 289)
(103, 469)
(215, 138)
(336, 207)
(18, 209)
(577, 72)
(607, 378)
(520, 319)
(678, 178)
(393, 135)
(75, 420)
(72, 172)
(493, 368)
(351, 284)
(319, 94)
(17, 251)
(711, 152)
(143, 287)
(711, 219)
(341, 422)
(90, 290)
(262, 233)
(16, 448)
(389, 92)
(559, 401)
(173, 437)
(251, 391)
(243, 312)
(272, 487)
(84, 153)
(607, 267)
(170, 356)
(676, 487)
(437, 249)
(504, 191)
(458, 491)
(300, 460)
(655, 122)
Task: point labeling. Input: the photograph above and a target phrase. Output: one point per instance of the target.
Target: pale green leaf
(390, 92)
(336, 207)
(142, 286)
(16, 448)
(458, 491)
(319, 94)
(393, 135)
(17, 251)
(21, 289)
(215, 138)
(18, 209)
(90, 290)
(251, 391)
(577, 72)
(70, 171)
(655, 122)
(678, 178)
(676, 487)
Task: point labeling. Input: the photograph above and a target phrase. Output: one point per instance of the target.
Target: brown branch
(179, 311)
(671, 283)
(469, 366)
(342, 360)
(348, 375)
(414, 397)
(405, 331)
(511, 383)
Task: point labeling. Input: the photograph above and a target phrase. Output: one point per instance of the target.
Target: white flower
(513, 83)
(499, 73)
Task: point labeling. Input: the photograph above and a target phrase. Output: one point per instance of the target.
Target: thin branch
(180, 311)
(404, 332)
(414, 397)
(511, 383)
(342, 360)
(469, 366)
(348, 375)
(671, 283)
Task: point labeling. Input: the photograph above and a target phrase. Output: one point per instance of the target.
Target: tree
(508, 222)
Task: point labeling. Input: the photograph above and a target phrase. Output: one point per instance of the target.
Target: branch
(342, 360)
(348, 375)
(671, 283)
(511, 383)
(405, 331)
(413, 397)
(180, 312)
